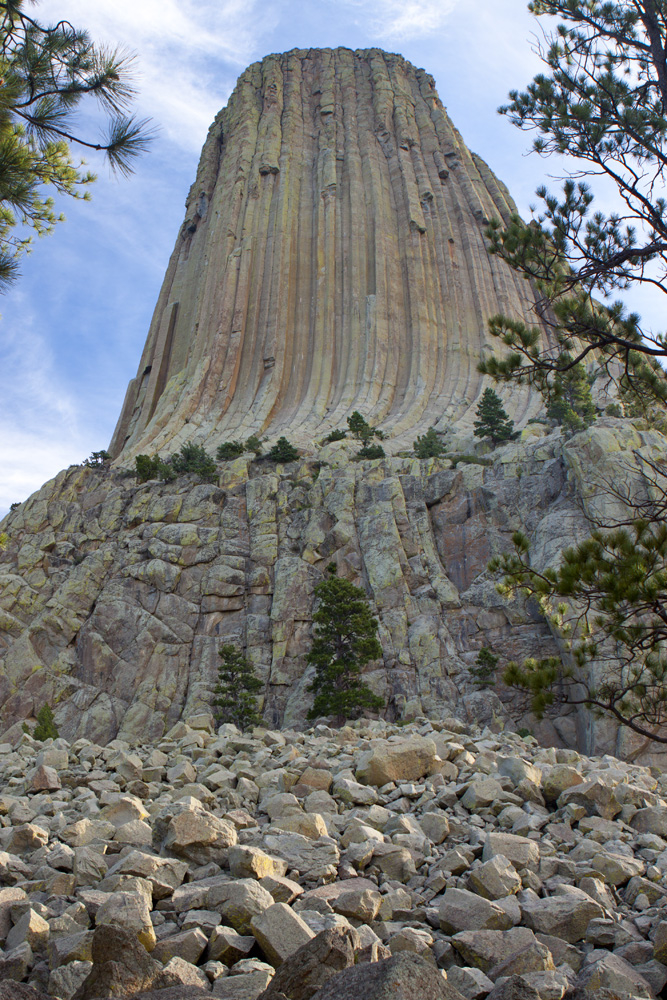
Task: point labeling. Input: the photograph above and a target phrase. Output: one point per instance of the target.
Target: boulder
(514, 988)
(604, 970)
(495, 878)
(660, 942)
(566, 917)
(486, 949)
(402, 977)
(239, 901)
(66, 980)
(315, 860)
(186, 973)
(164, 874)
(8, 897)
(11, 990)
(188, 945)
(520, 851)
(130, 910)
(651, 820)
(470, 982)
(558, 779)
(279, 932)
(200, 836)
(121, 966)
(313, 964)
(595, 796)
(250, 862)
(32, 929)
(461, 910)
(228, 946)
(358, 904)
(403, 761)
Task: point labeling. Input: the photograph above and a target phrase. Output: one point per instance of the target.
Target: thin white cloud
(181, 46)
(39, 430)
(400, 20)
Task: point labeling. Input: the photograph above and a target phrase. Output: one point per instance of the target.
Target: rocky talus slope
(332, 259)
(115, 597)
(375, 861)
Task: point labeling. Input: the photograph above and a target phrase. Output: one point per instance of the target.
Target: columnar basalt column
(332, 259)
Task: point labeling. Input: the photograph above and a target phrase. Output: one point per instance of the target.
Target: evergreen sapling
(345, 640)
(236, 689)
(492, 420)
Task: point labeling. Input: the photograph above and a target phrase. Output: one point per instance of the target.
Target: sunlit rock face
(332, 259)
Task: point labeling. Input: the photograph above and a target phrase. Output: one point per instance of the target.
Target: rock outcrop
(332, 259)
(413, 888)
(115, 597)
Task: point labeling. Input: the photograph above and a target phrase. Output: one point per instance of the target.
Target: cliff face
(332, 259)
(115, 598)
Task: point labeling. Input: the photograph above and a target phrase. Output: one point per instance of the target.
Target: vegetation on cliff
(237, 689)
(492, 420)
(345, 640)
(429, 445)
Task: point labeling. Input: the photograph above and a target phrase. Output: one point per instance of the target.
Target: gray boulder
(403, 977)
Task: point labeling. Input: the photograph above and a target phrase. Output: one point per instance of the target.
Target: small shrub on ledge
(229, 450)
(283, 451)
(370, 451)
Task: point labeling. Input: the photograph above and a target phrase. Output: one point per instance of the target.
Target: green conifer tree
(193, 460)
(360, 427)
(283, 451)
(236, 689)
(571, 403)
(492, 420)
(46, 728)
(345, 639)
(429, 445)
(152, 467)
(254, 444)
(229, 450)
(485, 667)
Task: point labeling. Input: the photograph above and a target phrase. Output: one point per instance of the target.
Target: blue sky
(73, 328)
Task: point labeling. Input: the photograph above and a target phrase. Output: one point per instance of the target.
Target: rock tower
(332, 259)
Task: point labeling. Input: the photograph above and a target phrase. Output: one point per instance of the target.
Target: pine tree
(46, 728)
(429, 445)
(484, 670)
(600, 103)
(571, 403)
(618, 580)
(492, 420)
(229, 450)
(46, 71)
(193, 460)
(345, 640)
(283, 451)
(254, 444)
(360, 427)
(236, 689)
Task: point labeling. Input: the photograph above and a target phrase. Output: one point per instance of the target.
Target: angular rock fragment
(280, 932)
(403, 977)
(461, 910)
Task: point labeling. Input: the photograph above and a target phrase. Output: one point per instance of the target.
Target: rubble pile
(329, 864)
